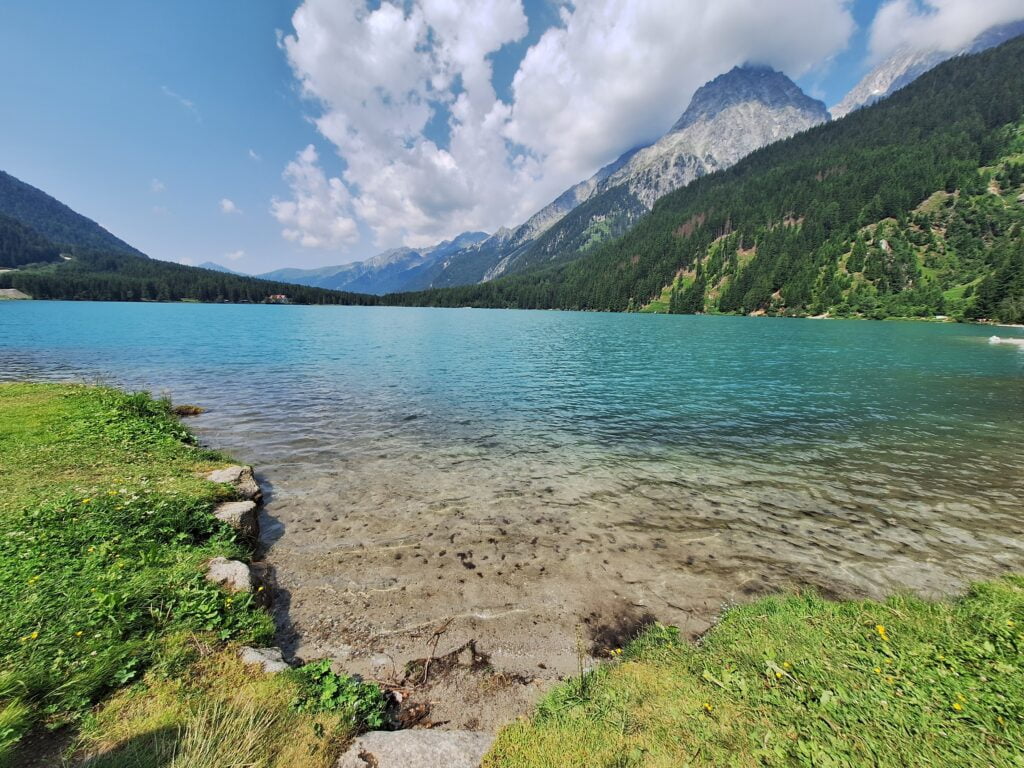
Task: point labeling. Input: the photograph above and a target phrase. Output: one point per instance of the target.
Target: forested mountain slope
(106, 276)
(22, 245)
(776, 232)
(75, 267)
(53, 220)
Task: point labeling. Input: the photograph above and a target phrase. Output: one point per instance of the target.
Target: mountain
(727, 118)
(904, 208)
(49, 251)
(21, 245)
(399, 269)
(907, 64)
(53, 220)
(212, 265)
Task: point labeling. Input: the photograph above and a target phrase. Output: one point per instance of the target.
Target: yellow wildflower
(786, 665)
(778, 675)
(958, 706)
(878, 670)
(86, 501)
(880, 629)
(707, 707)
(79, 633)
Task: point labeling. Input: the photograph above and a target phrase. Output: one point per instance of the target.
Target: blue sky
(146, 116)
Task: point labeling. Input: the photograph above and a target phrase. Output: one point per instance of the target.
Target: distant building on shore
(278, 298)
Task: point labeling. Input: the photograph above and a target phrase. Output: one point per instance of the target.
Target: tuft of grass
(105, 529)
(798, 680)
(217, 713)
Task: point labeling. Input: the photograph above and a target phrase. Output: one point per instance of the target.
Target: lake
(531, 473)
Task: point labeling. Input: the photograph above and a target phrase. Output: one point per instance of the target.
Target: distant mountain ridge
(907, 64)
(398, 269)
(212, 265)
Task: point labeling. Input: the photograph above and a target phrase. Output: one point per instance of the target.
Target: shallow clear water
(585, 465)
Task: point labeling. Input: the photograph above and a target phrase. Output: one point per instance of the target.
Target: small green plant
(325, 691)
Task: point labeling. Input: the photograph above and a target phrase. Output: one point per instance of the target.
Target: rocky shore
(408, 746)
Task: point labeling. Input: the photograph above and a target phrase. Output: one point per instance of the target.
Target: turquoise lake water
(588, 463)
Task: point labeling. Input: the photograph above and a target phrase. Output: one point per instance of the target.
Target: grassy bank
(109, 626)
(798, 680)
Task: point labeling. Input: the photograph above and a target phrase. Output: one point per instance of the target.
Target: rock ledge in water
(232, 574)
(417, 749)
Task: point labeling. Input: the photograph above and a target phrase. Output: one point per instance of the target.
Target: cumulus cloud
(319, 215)
(235, 255)
(228, 206)
(157, 186)
(941, 25)
(612, 74)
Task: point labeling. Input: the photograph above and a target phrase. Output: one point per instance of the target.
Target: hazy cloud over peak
(941, 25)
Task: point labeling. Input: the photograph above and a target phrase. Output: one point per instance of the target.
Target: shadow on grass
(152, 749)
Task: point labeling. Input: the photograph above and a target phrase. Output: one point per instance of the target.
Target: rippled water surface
(522, 471)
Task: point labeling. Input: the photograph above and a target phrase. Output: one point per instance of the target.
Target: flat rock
(417, 749)
(240, 515)
(232, 574)
(241, 478)
(269, 659)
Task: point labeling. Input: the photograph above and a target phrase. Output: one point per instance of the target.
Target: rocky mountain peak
(743, 85)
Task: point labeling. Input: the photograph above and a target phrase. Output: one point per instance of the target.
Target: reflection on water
(525, 471)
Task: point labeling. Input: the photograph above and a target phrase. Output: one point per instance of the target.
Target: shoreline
(763, 315)
(443, 676)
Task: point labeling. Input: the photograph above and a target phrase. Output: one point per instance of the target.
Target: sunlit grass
(798, 680)
(105, 529)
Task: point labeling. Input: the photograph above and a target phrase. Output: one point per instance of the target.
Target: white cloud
(943, 25)
(254, 155)
(235, 255)
(188, 104)
(157, 186)
(320, 214)
(614, 74)
(228, 206)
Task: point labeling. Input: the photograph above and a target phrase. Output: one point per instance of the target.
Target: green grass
(105, 529)
(798, 680)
